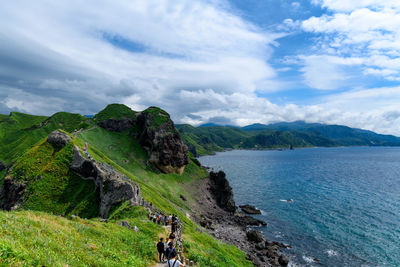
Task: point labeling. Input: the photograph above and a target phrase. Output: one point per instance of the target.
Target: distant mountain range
(209, 138)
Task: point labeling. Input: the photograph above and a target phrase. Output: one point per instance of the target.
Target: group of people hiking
(166, 250)
(165, 220)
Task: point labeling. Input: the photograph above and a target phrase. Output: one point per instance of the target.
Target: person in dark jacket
(160, 248)
(170, 249)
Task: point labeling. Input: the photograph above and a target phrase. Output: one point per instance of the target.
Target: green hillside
(19, 132)
(208, 139)
(34, 235)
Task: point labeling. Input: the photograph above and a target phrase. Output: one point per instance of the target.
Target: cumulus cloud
(137, 52)
(196, 59)
(365, 29)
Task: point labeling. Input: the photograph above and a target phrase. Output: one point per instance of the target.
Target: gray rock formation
(162, 141)
(58, 139)
(255, 236)
(117, 125)
(222, 191)
(125, 224)
(11, 194)
(249, 209)
(2, 166)
(113, 187)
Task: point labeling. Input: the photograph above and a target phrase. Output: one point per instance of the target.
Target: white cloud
(70, 48)
(368, 30)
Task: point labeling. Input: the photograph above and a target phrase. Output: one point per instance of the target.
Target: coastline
(234, 227)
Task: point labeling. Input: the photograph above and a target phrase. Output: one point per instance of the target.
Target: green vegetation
(51, 185)
(19, 132)
(158, 115)
(206, 140)
(40, 239)
(115, 111)
(35, 238)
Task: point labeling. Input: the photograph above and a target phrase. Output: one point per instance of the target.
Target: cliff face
(113, 187)
(117, 125)
(155, 131)
(162, 141)
(222, 191)
(110, 186)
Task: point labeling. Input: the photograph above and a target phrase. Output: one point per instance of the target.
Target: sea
(334, 206)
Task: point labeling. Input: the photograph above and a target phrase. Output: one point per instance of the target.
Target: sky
(230, 62)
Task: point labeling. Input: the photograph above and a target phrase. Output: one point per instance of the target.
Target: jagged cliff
(154, 130)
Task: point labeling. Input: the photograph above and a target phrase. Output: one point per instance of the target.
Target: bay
(346, 201)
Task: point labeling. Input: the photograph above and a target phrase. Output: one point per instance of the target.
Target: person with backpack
(160, 248)
(174, 262)
(170, 250)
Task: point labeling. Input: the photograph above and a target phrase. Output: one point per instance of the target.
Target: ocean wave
(287, 200)
(308, 259)
(331, 253)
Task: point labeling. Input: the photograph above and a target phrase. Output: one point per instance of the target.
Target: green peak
(115, 111)
(156, 111)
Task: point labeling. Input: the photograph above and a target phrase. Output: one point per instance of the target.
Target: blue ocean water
(346, 201)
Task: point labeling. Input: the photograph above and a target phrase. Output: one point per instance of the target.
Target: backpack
(173, 265)
(168, 251)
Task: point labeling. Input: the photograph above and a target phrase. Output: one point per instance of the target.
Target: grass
(115, 111)
(19, 132)
(51, 185)
(124, 153)
(36, 237)
(159, 116)
(39, 239)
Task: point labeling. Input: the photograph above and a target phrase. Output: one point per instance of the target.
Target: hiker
(173, 262)
(159, 219)
(166, 220)
(166, 245)
(174, 225)
(170, 250)
(160, 248)
(172, 237)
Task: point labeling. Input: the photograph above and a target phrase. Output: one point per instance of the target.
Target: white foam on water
(287, 200)
(331, 253)
(308, 259)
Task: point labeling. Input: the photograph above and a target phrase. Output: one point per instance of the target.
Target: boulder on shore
(249, 209)
(255, 236)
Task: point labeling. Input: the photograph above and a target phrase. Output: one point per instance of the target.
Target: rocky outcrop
(11, 193)
(255, 236)
(117, 125)
(162, 141)
(2, 166)
(222, 191)
(58, 139)
(113, 187)
(249, 209)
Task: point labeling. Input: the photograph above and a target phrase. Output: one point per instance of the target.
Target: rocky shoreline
(216, 212)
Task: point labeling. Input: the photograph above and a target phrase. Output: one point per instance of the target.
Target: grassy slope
(40, 239)
(125, 154)
(206, 140)
(56, 190)
(51, 185)
(20, 132)
(115, 111)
